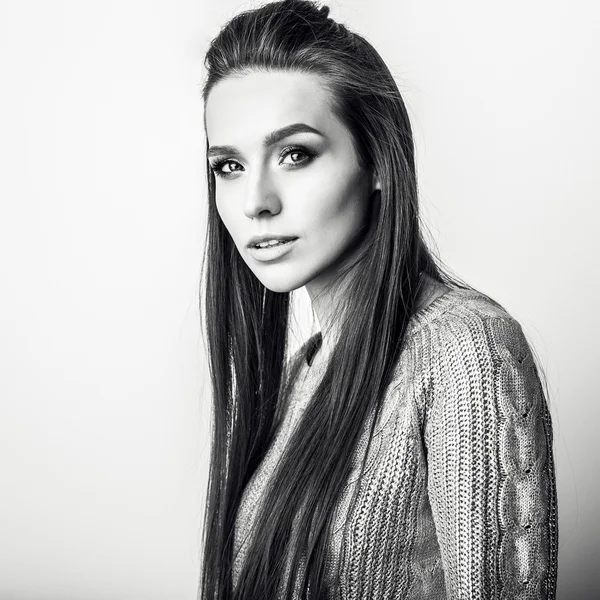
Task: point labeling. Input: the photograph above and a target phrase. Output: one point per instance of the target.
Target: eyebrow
(270, 139)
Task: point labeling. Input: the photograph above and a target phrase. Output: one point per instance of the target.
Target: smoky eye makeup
(307, 155)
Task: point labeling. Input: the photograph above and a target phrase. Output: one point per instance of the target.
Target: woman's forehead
(248, 107)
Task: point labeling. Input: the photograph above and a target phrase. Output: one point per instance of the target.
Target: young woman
(404, 451)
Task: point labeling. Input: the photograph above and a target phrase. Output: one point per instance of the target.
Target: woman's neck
(323, 305)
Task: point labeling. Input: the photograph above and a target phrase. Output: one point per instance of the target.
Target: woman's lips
(271, 252)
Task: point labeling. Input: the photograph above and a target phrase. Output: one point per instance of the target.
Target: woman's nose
(261, 195)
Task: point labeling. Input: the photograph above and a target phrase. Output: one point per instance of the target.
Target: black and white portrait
(299, 300)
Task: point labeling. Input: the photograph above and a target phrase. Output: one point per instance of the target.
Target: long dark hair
(247, 324)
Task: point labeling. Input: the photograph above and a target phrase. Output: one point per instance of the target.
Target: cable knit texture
(458, 498)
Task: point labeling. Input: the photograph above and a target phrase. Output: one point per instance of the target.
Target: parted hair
(247, 325)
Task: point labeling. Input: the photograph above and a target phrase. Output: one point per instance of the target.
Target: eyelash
(218, 164)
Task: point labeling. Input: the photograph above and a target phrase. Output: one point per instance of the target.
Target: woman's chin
(280, 284)
(281, 287)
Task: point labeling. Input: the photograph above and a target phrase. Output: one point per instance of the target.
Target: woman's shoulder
(454, 307)
(462, 349)
(464, 329)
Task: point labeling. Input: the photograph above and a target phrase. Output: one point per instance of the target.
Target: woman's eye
(297, 156)
(290, 157)
(218, 168)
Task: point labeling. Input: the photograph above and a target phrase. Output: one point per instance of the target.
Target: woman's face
(285, 166)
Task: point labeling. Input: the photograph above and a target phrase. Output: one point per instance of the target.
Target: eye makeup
(217, 165)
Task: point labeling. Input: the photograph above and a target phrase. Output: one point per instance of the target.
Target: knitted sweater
(458, 498)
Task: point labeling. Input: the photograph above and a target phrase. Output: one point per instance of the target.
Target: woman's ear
(375, 183)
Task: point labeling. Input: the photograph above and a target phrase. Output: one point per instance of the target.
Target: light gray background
(103, 382)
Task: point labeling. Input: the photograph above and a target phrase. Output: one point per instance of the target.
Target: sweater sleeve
(491, 480)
